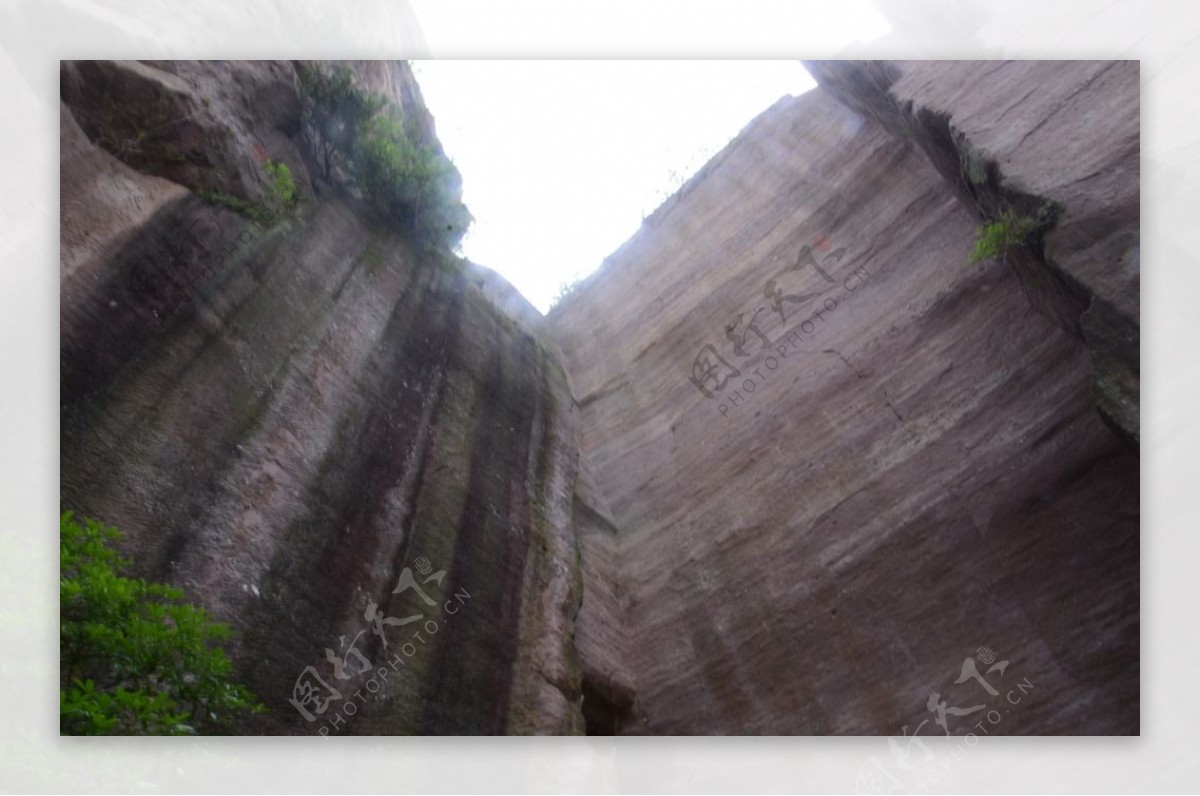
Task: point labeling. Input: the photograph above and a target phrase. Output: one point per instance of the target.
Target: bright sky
(561, 160)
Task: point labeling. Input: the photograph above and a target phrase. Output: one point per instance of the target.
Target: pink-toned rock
(1021, 134)
(912, 467)
(784, 465)
(286, 418)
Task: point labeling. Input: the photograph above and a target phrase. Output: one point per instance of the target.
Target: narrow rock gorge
(785, 464)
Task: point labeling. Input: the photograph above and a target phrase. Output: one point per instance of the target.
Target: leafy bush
(996, 238)
(135, 658)
(1009, 231)
(409, 183)
(278, 201)
(406, 182)
(280, 196)
(333, 109)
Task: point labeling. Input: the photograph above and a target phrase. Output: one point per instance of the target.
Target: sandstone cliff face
(289, 421)
(887, 458)
(781, 466)
(1022, 133)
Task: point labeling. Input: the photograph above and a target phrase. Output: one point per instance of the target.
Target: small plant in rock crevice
(279, 200)
(996, 238)
(280, 196)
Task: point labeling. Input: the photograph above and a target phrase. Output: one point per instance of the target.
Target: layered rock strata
(841, 461)
(304, 423)
(785, 464)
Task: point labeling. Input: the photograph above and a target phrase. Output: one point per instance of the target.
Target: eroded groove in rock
(287, 430)
(780, 466)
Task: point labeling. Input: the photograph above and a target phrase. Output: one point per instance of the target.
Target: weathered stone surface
(906, 473)
(284, 419)
(101, 199)
(908, 466)
(1021, 133)
(196, 123)
(602, 635)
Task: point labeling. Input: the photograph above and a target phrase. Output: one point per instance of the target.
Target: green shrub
(408, 184)
(135, 658)
(994, 239)
(280, 196)
(333, 109)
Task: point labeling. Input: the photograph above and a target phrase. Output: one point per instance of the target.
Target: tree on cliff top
(333, 109)
(135, 658)
(405, 181)
(409, 183)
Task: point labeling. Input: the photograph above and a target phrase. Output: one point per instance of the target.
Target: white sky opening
(562, 160)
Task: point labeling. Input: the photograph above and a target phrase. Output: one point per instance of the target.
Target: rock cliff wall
(783, 465)
(290, 420)
(1020, 135)
(839, 459)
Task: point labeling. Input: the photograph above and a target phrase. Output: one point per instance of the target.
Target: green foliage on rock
(234, 203)
(408, 183)
(333, 109)
(280, 196)
(279, 199)
(997, 237)
(1009, 231)
(136, 659)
